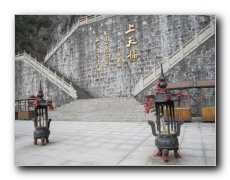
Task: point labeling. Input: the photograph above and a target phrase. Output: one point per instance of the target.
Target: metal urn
(41, 120)
(165, 128)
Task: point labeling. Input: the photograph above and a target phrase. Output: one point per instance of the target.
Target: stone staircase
(70, 88)
(81, 22)
(176, 57)
(123, 109)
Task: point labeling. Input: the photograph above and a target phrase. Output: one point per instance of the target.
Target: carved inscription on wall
(106, 48)
(131, 42)
(132, 54)
(98, 66)
(118, 58)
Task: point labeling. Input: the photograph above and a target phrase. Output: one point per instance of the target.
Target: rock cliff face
(36, 34)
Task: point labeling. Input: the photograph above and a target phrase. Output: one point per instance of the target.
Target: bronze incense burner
(41, 120)
(165, 128)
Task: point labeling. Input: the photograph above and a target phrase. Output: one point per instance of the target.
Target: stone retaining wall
(27, 82)
(199, 65)
(103, 44)
(157, 38)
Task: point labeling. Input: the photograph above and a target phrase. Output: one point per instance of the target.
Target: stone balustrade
(52, 76)
(82, 21)
(176, 57)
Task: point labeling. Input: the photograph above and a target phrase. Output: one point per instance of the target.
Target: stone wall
(27, 82)
(157, 38)
(199, 65)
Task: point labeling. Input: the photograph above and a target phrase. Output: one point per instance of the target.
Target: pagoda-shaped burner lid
(39, 99)
(162, 77)
(40, 91)
(161, 95)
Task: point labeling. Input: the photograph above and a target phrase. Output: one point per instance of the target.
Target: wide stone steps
(102, 109)
(103, 118)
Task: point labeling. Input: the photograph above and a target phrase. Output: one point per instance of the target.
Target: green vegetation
(26, 29)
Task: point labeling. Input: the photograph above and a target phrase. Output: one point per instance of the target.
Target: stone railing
(59, 81)
(175, 58)
(82, 21)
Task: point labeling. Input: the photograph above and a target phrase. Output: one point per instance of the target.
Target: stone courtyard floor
(111, 144)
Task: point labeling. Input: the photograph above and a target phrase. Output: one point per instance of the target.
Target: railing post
(55, 77)
(142, 81)
(17, 56)
(70, 87)
(196, 39)
(36, 63)
(168, 62)
(62, 81)
(29, 57)
(75, 26)
(42, 67)
(35, 60)
(182, 51)
(48, 71)
(212, 25)
(24, 53)
(154, 71)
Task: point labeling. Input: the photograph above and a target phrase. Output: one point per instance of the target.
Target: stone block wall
(27, 82)
(199, 65)
(157, 37)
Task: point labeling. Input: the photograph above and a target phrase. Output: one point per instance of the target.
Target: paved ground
(111, 144)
